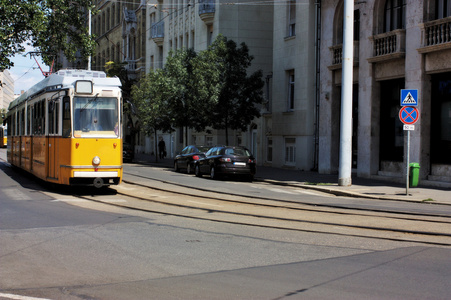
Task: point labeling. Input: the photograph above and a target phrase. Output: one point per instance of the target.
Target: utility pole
(345, 162)
(89, 30)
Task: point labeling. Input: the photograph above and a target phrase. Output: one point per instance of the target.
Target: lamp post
(345, 163)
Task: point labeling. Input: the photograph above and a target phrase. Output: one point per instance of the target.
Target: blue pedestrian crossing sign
(409, 97)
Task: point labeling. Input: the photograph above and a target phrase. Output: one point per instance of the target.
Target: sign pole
(408, 162)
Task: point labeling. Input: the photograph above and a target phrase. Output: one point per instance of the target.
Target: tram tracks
(285, 215)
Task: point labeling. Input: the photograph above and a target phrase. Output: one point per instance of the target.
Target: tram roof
(66, 78)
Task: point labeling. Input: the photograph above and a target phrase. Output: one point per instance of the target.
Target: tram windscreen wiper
(89, 101)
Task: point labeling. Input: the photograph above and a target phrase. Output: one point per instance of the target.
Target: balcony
(337, 55)
(436, 35)
(388, 46)
(157, 32)
(207, 10)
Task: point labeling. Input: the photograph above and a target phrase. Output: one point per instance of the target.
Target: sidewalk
(361, 187)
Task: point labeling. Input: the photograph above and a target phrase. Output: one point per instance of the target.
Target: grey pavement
(384, 188)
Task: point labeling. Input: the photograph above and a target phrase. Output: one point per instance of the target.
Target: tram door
(52, 140)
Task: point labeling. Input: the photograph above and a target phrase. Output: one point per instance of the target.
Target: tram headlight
(96, 160)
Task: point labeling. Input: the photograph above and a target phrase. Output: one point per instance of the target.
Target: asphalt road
(55, 245)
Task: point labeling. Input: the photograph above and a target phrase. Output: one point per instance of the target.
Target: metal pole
(408, 162)
(89, 30)
(345, 163)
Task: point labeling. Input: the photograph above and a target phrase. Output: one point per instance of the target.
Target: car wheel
(197, 171)
(189, 169)
(213, 174)
(176, 167)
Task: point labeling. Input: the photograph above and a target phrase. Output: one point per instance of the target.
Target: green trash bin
(414, 174)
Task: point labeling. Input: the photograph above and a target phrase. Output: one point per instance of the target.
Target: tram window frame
(66, 117)
(22, 121)
(29, 119)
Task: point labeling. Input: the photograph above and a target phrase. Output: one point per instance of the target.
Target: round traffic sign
(409, 115)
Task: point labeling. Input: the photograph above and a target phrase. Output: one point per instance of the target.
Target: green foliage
(151, 96)
(240, 93)
(50, 26)
(200, 90)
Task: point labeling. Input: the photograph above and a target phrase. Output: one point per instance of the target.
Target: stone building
(6, 89)
(119, 29)
(398, 44)
(177, 24)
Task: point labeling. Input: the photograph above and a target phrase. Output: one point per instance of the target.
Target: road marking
(19, 297)
(69, 200)
(15, 194)
(204, 203)
(84, 200)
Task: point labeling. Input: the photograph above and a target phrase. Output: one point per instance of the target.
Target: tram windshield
(96, 116)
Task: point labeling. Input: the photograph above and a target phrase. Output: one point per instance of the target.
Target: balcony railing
(436, 35)
(157, 32)
(389, 45)
(337, 55)
(207, 10)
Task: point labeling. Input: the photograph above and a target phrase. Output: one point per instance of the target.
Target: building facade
(119, 30)
(398, 44)
(6, 89)
(178, 24)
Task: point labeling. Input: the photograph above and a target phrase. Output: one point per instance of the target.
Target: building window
(395, 15)
(292, 18)
(442, 9)
(209, 35)
(269, 149)
(290, 151)
(209, 141)
(441, 119)
(290, 99)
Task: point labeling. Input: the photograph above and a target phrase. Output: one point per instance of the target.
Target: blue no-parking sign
(409, 97)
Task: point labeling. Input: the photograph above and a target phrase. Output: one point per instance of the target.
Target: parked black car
(227, 160)
(189, 154)
(127, 152)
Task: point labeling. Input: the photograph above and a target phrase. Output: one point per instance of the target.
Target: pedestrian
(161, 148)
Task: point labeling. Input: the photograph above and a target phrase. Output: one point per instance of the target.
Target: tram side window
(66, 116)
(22, 122)
(29, 118)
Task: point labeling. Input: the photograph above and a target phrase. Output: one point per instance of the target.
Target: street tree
(195, 79)
(50, 26)
(240, 93)
(151, 96)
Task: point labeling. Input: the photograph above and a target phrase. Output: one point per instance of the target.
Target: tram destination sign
(409, 97)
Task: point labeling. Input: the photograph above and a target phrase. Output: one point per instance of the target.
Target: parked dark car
(189, 154)
(127, 152)
(227, 160)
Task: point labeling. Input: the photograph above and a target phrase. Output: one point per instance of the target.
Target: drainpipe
(317, 80)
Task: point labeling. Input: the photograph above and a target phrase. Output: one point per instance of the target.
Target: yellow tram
(67, 129)
(3, 136)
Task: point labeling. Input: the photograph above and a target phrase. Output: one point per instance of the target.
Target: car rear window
(237, 152)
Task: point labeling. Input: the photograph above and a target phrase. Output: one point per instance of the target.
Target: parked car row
(216, 161)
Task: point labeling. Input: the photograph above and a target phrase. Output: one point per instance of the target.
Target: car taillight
(225, 159)
(252, 161)
(196, 157)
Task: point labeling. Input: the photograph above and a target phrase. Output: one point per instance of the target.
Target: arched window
(395, 15)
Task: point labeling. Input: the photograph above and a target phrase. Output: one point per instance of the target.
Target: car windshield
(96, 116)
(237, 152)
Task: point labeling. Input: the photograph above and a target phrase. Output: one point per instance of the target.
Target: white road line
(19, 297)
(15, 194)
(204, 203)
